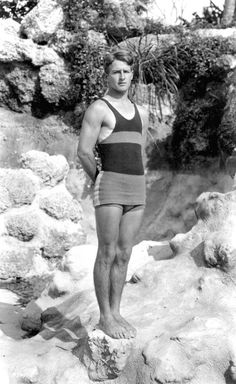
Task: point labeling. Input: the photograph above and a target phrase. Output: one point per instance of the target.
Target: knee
(106, 253)
(123, 255)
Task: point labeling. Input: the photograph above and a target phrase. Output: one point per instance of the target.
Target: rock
(32, 323)
(13, 48)
(220, 250)
(16, 257)
(21, 81)
(160, 250)
(55, 83)
(51, 169)
(59, 204)
(112, 353)
(172, 363)
(22, 224)
(79, 261)
(21, 132)
(57, 237)
(96, 38)
(10, 26)
(43, 21)
(5, 201)
(122, 20)
(21, 185)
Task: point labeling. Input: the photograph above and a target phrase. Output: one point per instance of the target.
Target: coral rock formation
(38, 216)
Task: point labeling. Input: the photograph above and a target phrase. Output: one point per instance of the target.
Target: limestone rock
(213, 236)
(43, 20)
(172, 363)
(59, 204)
(10, 26)
(55, 83)
(22, 224)
(96, 38)
(21, 132)
(22, 80)
(5, 201)
(22, 185)
(122, 19)
(57, 237)
(160, 250)
(13, 48)
(17, 259)
(104, 357)
(51, 169)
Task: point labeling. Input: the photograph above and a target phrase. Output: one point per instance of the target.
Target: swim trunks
(121, 179)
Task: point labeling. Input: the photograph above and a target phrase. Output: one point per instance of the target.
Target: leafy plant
(86, 72)
(16, 9)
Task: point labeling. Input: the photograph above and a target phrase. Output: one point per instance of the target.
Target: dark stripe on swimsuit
(122, 158)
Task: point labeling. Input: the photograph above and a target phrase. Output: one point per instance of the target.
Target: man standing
(118, 126)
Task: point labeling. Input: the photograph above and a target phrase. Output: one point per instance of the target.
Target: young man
(118, 126)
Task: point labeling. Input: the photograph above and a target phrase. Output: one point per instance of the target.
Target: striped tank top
(121, 179)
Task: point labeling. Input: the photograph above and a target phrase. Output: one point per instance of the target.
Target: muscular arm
(90, 130)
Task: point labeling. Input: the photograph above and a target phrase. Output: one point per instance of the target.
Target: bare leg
(108, 222)
(129, 226)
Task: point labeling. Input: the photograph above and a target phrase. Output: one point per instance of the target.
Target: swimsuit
(121, 179)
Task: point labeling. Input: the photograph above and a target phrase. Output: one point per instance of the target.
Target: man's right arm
(89, 133)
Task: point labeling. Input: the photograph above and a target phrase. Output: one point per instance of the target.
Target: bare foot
(113, 329)
(132, 331)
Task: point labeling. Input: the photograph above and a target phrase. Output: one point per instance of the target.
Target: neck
(123, 96)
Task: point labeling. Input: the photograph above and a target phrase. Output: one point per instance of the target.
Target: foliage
(16, 9)
(86, 72)
(212, 17)
(81, 11)
(201, 100)
(195, 130)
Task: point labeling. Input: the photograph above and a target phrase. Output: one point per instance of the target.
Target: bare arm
(90, 130)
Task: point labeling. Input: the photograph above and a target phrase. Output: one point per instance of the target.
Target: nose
(122, 75)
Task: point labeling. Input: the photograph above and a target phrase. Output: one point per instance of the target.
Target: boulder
(15, 49)
(17, 258)
(50, 169)
(122, 20)
(20, 186)
(113, 354)
(55, 83)
(59, 204)
(39, 218)
(43, 21)
(21, 82)
(56, 237)
(22, 224)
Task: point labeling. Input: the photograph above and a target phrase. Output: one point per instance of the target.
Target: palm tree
(229, 11)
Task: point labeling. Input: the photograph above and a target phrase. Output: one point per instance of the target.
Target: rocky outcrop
(183, 309)
(43, 21)
(39, 218)
(20, 132)
(122, 19)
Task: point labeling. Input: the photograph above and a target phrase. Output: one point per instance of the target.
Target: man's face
(119, 76)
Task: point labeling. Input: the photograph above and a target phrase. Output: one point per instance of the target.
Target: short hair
(118, 54)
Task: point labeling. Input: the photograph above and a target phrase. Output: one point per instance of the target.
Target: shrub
(16, 9)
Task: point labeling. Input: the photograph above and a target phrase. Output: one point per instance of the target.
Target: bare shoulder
(97, 108)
